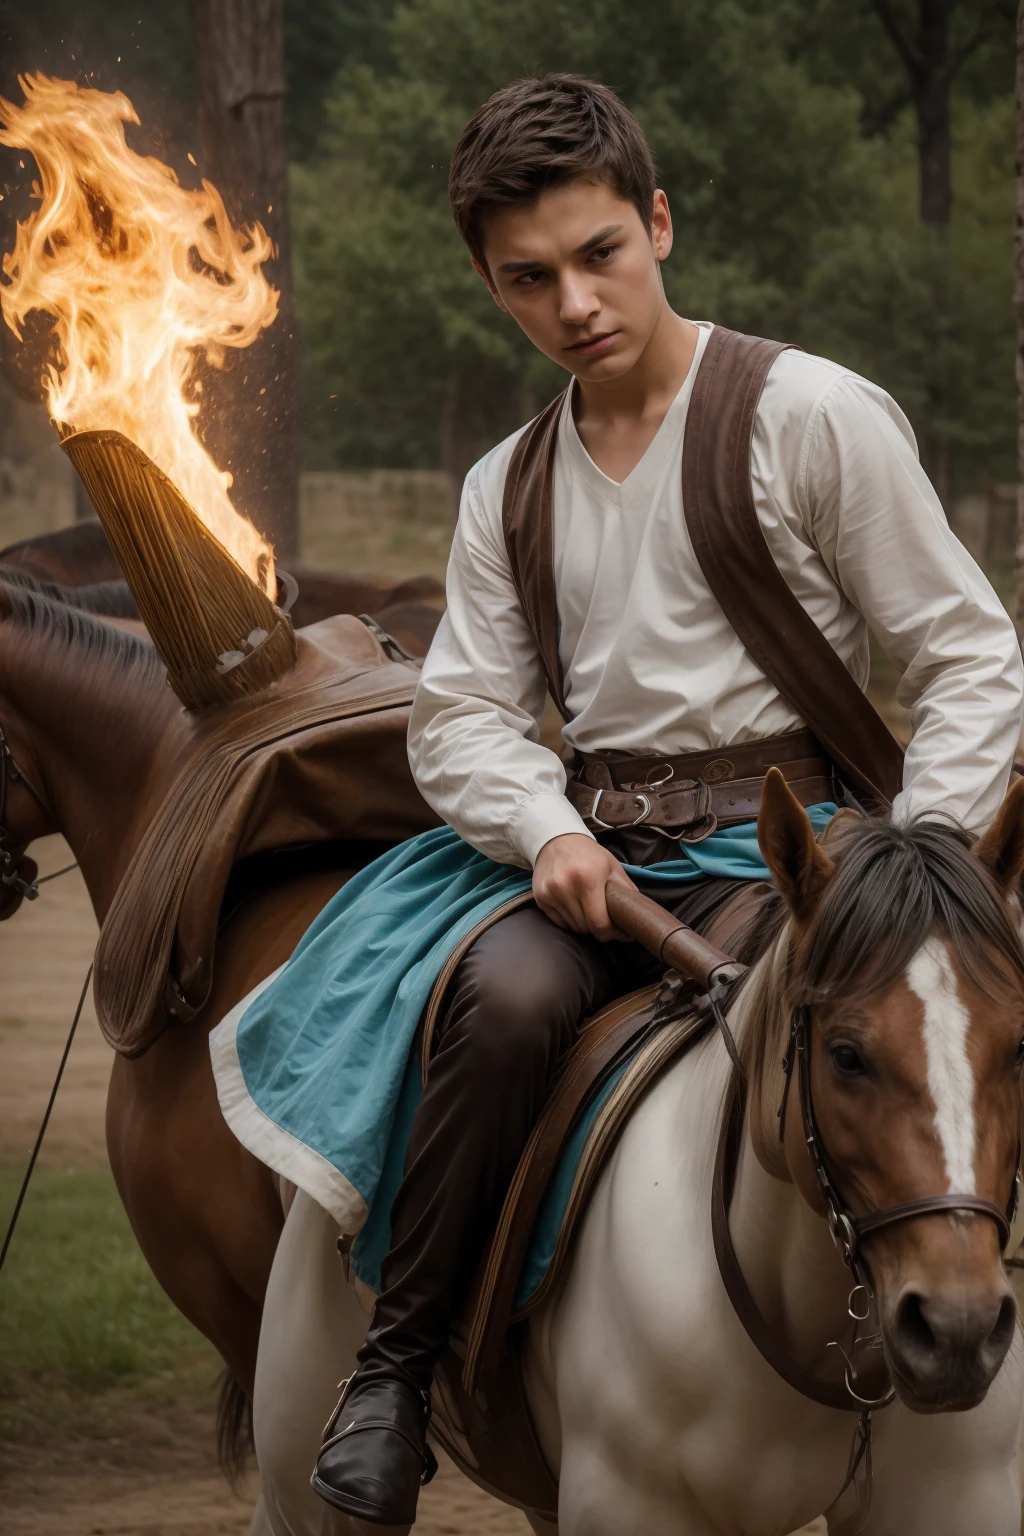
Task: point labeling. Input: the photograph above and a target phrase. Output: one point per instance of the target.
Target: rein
(10, 773)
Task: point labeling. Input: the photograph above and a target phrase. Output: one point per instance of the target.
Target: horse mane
(111, 599)
(892, 887)
(43, 608)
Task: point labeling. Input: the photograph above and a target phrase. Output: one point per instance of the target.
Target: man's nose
(578, 302)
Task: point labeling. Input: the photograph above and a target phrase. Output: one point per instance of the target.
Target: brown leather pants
(512, 1011)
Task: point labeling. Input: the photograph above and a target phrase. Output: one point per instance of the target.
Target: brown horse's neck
(91, 712)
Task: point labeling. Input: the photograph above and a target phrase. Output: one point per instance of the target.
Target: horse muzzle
(944, 1348)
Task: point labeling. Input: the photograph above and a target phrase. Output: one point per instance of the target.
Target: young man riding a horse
(584, 563)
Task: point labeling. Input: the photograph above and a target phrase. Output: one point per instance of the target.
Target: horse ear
(1001, 848)
(800, 868)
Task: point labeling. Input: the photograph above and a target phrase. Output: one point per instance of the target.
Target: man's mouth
(593, 346)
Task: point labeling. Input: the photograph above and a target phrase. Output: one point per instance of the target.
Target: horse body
(90, 722)
(649, 1396)
(668, 1418)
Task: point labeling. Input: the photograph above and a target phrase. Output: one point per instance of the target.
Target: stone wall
(37, 482)
(386, 522)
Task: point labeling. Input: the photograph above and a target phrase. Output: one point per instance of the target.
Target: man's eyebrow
(511, 267)
(598, 239)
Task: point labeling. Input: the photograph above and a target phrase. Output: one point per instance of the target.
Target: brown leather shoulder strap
(737, 563)
(527, 524)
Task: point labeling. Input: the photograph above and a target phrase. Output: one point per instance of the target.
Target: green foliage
(790, 219)
(79, 1307)
(926, 313)
(845, 44)
(320, 37)
(400, 331)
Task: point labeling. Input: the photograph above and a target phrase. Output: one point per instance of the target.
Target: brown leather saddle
(480, 1412)
(319, 758)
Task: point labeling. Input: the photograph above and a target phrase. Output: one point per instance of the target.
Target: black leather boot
(375, 1456)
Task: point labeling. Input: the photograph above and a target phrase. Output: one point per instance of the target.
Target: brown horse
(87, 714)
(88, 720)
(80, 557)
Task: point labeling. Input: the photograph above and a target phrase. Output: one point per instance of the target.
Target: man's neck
(618, 420)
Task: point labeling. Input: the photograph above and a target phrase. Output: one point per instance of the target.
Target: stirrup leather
(424, 1452)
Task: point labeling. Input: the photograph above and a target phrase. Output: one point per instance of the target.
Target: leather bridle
(848, 1231)
(10, 773)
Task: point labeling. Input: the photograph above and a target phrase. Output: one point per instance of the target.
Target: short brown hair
(536, 134)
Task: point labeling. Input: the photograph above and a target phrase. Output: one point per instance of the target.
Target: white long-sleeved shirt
(650, 662)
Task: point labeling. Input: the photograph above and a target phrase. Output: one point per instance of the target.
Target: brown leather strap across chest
(730, 547)
(685, 797)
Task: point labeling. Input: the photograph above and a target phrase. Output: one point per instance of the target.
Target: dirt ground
(158, 1477)
(138, 1469)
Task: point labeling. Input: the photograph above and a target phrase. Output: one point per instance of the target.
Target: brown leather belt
(686, 797)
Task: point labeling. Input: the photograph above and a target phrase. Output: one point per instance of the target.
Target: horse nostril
(911, 1326)
(947, 1349)
(1001, 1337)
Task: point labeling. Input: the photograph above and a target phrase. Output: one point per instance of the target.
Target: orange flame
(143, 278)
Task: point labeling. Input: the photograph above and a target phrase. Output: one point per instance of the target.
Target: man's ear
(482, 272)
(661, 226)
(1001, 848)
(800, 868)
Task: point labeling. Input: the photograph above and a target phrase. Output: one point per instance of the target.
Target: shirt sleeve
(881, 530)
(474, 733)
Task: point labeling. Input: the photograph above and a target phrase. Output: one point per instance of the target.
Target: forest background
(785, 135)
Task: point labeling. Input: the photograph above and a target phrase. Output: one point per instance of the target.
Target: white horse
(653, 1405)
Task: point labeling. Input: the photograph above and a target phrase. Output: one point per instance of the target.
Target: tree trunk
(252, 428)
(930, 86)
(1018, 300)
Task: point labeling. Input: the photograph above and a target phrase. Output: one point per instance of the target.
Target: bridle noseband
(10, 773)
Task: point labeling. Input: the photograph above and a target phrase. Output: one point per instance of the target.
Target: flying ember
(143, 279)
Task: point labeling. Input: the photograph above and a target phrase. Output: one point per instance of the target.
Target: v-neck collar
(647, 471)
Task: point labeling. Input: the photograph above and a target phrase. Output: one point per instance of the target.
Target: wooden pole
(1018, 302)
(251, 422)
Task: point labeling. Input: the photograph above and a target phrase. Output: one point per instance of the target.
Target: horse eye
(1020, 1055)
(847, 1060)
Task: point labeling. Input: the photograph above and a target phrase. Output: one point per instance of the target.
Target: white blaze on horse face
(931, 977)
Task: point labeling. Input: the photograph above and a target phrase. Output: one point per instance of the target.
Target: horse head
(85, 715)
(905, 982)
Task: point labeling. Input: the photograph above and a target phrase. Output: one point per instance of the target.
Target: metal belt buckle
(606, 826)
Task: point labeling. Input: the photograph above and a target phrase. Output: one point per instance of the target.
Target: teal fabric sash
(326, 1050)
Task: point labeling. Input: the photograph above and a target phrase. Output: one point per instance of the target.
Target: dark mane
(891, 888)
(112, 599)
(37, 612)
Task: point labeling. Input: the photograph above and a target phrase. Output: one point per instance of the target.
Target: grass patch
(80, 1311)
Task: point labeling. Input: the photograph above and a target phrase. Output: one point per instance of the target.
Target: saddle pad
(317, 1072)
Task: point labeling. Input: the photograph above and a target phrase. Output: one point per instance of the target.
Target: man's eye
(603, 252)
(529, 279)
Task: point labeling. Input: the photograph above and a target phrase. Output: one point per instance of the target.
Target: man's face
(579, 272)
